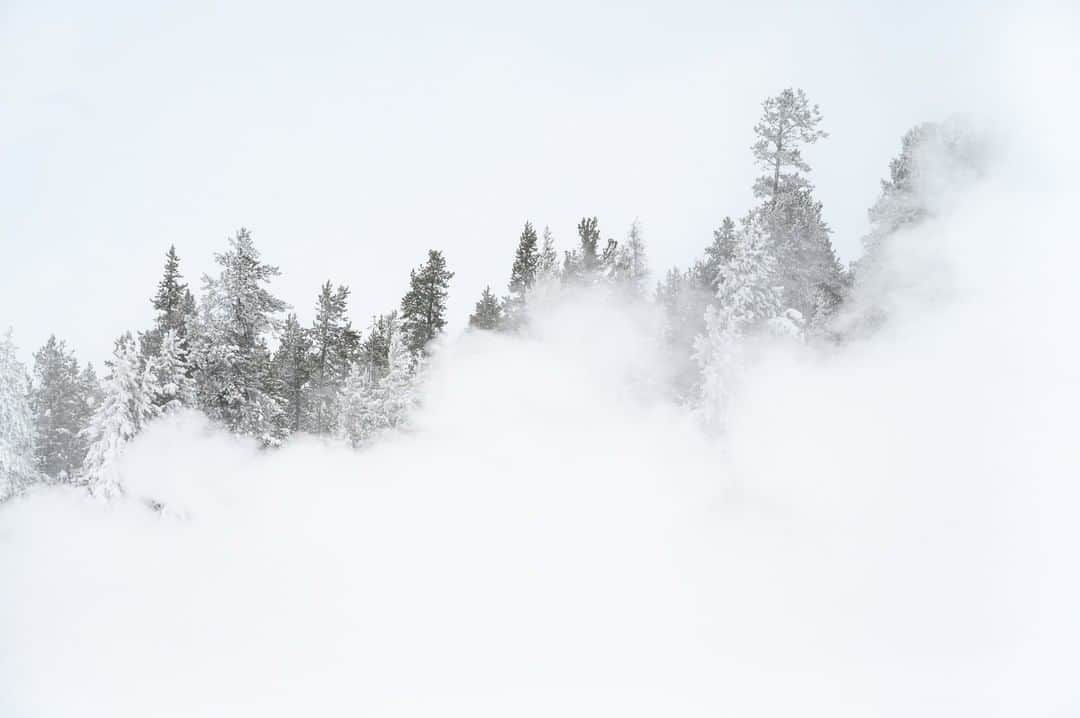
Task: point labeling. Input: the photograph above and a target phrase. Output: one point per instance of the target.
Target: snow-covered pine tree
(175, 387)
(423, 308)
(523, 275)
(333, 347)
(91, 389)
(526, 263)
(488, 314)
(788, 122)
(631, 268)
(375, 349)
(173, 306)
(589, 245)
(547, 268)
(589, 263)
(683, 297)
(571, 272)
(291, 367)
(396, 394)
(747, 301)
(359, 416)
(806, 261)
(899, 204)
(374, 405)
(17, 469)
(719, 252)
(232, 358)
(61, 405)
(935, 159)
(932, 155)
(128, 403)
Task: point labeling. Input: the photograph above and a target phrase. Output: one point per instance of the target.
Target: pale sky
(350, 137)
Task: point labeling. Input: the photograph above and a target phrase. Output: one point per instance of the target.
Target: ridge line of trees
(772, 272)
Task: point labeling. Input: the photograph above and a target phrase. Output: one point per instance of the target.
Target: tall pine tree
(175, 388)
(522, 276)
(61, 405)
(720, 252)
(526, 263)
(333, 346)
(423, 308)
(547, 266)
(806, 262)
(174, 308)
(631, 269)
(748, 300)
(373, 405)
(127, 404)
(375, 349)
(17, 469)
(233, 359)
(292, 373)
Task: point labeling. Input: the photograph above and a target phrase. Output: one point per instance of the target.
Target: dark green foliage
(61, 402)
(589, 237)
(334, 345)
(375, 349)
(292, 371)
(174, 307)
(488, 315)
(526, 262)
(423, 308)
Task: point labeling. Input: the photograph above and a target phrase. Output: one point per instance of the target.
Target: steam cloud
(887, 528)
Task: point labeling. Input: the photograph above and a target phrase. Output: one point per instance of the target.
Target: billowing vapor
(884, 528)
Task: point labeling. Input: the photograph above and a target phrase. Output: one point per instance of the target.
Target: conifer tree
(173, 305)
(631, 268)
(523, 275)
(571, 272)
(547, 267)
(128, 404)
(684, 296)
(423, 308)
(488, 314)
(61, 407)
(17, 470)
(333, 346)
(233, 359)
(171, 374)
(806, 262)
(360, 419)
(899, 204)
(374, 405)
(589, 249)
(375, 349)
(292, 372)
(526, 264)
(788, 122)
(931, 154)
(171, 296)
(748, 300)
(91, 388)
(719, 253)
(396, 388)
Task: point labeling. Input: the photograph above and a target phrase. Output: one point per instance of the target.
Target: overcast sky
(351, 137)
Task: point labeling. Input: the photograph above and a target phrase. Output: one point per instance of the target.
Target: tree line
(237, 353)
